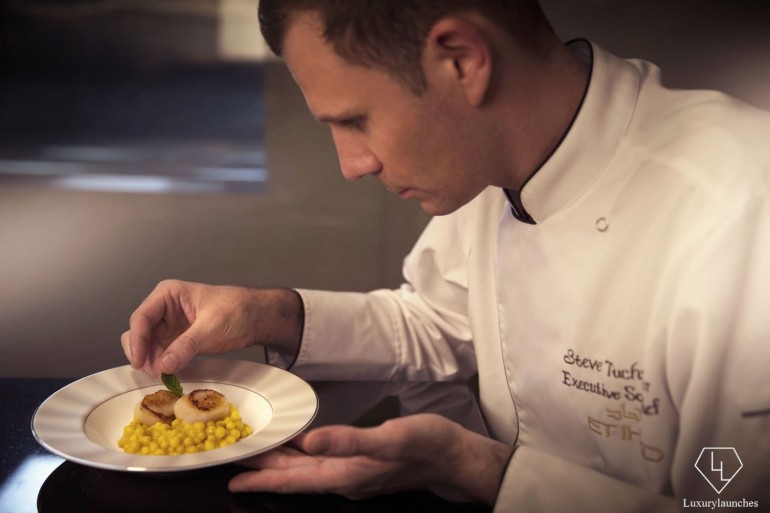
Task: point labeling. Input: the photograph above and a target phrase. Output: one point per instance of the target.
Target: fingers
(411, 437)
(126, 348)
(344, 460)
(179, 352)
(344, 441)
(279, 458)
(180, 320)
(141, 324)
(152, 326)
(282, 470)
(276, 481)
(125, 344)
(136, 348)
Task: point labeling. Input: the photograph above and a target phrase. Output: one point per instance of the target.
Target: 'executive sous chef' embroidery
(627, 387)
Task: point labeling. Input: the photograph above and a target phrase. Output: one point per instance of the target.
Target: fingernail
(320, 444)
(170, 362)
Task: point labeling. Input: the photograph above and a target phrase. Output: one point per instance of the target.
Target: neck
(541, 105)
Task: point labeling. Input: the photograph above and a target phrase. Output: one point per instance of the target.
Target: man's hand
(407, 453)
(179, 320)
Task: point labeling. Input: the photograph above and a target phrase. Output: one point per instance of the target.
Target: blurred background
(142, 140)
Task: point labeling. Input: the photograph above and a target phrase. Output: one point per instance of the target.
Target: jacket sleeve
(418, 332)
(719, 361)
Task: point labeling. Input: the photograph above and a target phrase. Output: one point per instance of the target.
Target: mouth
(402, 192)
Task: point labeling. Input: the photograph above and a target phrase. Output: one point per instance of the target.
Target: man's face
(426, 147)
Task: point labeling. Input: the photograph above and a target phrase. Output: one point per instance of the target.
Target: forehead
(330, 84)
(306, 52)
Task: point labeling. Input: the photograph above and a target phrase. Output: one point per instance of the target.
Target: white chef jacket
(621, 335)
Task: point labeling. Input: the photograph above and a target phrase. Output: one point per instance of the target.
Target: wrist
(279, 320)
(479, 465)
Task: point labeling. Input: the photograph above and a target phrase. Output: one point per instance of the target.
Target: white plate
(83, 421)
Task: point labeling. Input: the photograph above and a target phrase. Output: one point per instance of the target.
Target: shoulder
(705, 141)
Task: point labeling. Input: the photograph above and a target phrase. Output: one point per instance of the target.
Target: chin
(437, 209)
(436, 205)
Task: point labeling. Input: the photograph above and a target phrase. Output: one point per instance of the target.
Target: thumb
(182, 350)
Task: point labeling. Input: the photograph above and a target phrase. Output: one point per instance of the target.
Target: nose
(356, 159)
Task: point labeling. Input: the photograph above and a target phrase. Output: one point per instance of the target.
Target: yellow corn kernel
(179, 437)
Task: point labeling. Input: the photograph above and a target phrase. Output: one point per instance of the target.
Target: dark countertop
(32, 480)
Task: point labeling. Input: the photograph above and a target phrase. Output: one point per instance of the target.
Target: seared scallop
(201, 406)
(156, 407)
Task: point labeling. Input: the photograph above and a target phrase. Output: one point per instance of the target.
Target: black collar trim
(517, 208)
(514, 197)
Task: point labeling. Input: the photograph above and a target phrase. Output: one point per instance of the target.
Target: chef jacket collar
(588, 144)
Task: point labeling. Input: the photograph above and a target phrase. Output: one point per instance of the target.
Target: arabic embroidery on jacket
(624, 385)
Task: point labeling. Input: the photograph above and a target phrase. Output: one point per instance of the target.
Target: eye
(357, 123)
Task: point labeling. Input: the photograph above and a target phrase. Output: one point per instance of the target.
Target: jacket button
(602, 224)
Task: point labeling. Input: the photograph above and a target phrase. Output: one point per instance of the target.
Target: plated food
(84, 420)
(165, 424)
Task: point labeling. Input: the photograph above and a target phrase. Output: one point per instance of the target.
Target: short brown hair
(389, 34)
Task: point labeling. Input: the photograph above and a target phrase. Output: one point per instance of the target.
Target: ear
(458, 50)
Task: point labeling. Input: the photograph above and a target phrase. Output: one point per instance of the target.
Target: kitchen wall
(74, 264)
(713, 44)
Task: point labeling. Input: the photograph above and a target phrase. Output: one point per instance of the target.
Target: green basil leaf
(172, 383)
